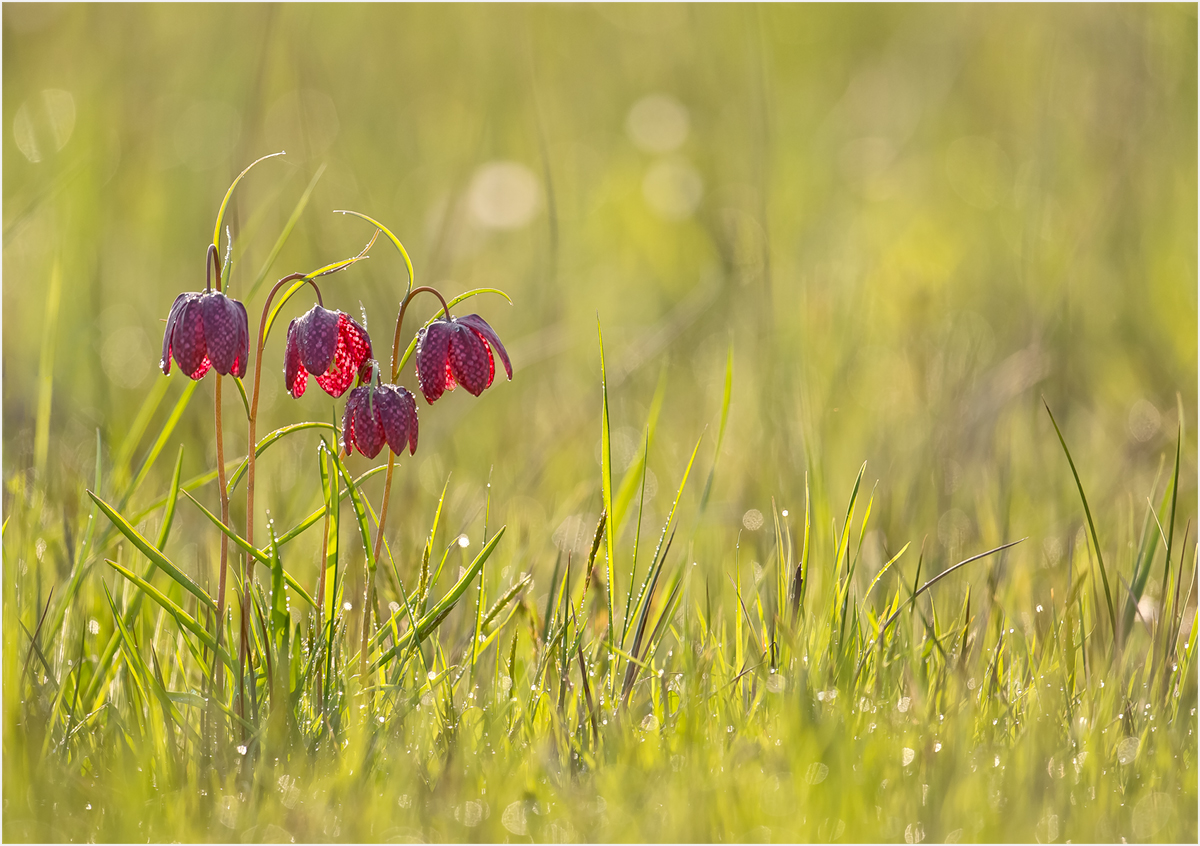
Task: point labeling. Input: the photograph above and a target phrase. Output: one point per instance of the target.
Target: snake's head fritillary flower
(379, 414)
(458, 350)
(206, 330)
(330, 346)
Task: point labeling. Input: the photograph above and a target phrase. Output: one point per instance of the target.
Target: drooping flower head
(458, 351)
(330, 346)
(379, 414)
(206, 330)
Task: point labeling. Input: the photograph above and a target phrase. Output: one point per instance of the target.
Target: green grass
(771, 537)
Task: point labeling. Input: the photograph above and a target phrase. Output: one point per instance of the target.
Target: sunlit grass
(696, 582)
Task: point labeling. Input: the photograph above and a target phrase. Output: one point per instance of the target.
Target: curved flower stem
(369, 596)
(400, 323)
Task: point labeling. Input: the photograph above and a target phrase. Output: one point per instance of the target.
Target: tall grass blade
(606, 487)
(45, 393)
(1112, 617)
(153, 553)
(301, 204)
(720, 431)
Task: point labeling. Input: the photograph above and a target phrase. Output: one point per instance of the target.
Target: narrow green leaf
(636, 470)
(158, 392)
(41, 429)
(443, 606)
(164, 530)
(1112, 616)
(176, 413)
(182, 617)
(224, 202)
(885, 568)
(721, 431)
(284, 235)
(395, 242)
(359, 511)
(606, 488)
(152, 553)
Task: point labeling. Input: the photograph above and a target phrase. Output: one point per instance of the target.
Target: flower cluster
(210, 330)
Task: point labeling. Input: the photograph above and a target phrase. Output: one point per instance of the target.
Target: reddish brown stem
(369, 595)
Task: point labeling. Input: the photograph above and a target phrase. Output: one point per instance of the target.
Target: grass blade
(1112, 616)
(45, 393)
(285, 234)
(152, 552)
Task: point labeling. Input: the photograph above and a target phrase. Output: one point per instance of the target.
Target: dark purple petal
(187, 340)
(411, 402)
(368, 431)
(294, 375)
(397, 411)
(318, 331)
(353, 348)
(433, 355)
(243, 349)
(470, 361)
(172, 318)
(348, 422)
(493, 340)
(222, 331)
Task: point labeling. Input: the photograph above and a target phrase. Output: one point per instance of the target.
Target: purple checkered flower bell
(458, 350)
(206, 330)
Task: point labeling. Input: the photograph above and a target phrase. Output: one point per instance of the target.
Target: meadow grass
(857, 503)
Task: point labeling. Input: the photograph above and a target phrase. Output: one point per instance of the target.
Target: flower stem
(369, 596)
(220, 665)
(400, 323)
(211, 261)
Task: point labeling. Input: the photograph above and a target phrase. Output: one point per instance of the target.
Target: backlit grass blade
(636, 471)
(307, 522)
(257, 554)
(301, 204)
(388, 234)
(192, 484)
(242, 394)
(182, 617)
(442, 607)
(45, 393)
(1147, 547)
(844, 541)
(1171, 523)
(885, 568)
(607, 491)
(141, 421)
(164, 530)
(1112, 616)
(152, 553)
(216, 239)
(360, 512)
(161, 441)
(138, 664)
(720, 431)
(637, 605)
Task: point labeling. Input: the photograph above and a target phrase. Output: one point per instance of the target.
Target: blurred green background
(909, 223)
